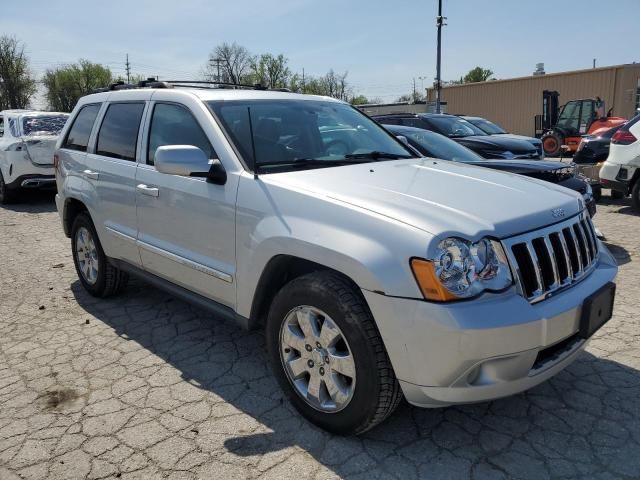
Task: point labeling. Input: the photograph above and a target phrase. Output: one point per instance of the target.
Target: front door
(186, 225)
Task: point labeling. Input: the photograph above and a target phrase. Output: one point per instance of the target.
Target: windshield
(43, 124)
(487, 126)
(455, 127)
(438, 146)
(270, 133)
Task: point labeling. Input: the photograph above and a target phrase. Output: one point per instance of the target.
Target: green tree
(65, 85)
(17, 86)
(477, 74)
(270, 70)
(359, 100)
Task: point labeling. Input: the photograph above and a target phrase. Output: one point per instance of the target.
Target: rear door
(110, 168)
(186, 225)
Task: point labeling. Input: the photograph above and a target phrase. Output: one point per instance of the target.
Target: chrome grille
(553, 258)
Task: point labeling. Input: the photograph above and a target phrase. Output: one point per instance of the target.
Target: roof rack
(206, 84)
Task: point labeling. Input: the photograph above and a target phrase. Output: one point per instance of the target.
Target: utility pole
(304, 90)
(128, 69)
(414, 89)
(594, 63)
(215, 62)
(440, 23)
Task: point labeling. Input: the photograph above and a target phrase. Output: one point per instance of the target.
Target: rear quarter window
(118, 136)
(80, 131)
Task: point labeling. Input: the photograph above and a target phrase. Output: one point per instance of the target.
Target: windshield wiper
(308, 162)
(376, 155)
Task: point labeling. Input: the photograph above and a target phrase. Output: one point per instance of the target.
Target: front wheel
(617, 195)
(552, 144)
(328, 356)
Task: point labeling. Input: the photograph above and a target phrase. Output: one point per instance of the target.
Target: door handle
(91, 175)
(147, 190)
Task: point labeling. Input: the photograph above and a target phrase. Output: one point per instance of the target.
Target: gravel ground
(145, 386)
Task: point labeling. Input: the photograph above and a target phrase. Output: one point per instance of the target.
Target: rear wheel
(328, 356)
(97, 275)
(552, 144)
(616, 194)
(635, 196)
(7, 195)
(597, 192)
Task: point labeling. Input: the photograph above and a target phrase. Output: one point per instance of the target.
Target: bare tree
(233, 62)
(17, 86)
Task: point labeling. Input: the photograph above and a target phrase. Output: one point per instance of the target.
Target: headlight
(462, 269)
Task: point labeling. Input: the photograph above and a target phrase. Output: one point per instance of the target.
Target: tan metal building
(514, 103)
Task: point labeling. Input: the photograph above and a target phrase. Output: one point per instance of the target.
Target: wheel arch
(72, 208)
(280, 270)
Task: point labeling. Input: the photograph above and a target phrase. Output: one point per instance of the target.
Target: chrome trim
(119, 234)
(36, 182)
(527, 239)
(186, 262)
(554, 262)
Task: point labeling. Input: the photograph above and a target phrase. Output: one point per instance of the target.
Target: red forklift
(561, 128)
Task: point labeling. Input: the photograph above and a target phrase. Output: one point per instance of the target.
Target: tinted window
(438, 146)
(78, 137)
(413, 122)
(175, 125)
(454, 127)
(1, 126)
(487, 126)
(388, 121)
(118, 134)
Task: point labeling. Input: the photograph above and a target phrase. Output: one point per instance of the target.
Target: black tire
(377, 392)
(635, 196)
(7, 195)
(110, 280)
(617, 195)
(597, 192)
(552, 144)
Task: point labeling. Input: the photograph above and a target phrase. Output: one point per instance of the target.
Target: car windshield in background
(455, 127)
(43, 125)
(287, 134)
(487, 126)
(440, 146)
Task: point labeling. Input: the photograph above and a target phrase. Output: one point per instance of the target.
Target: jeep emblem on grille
(557, 212)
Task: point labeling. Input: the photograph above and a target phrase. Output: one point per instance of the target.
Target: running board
(187, 295)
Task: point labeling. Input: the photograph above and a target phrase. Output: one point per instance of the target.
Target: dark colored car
(465, 133)
(434, 145)
(491, 128)
(594, 148)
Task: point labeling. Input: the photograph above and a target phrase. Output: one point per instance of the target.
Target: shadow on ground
(582, 423)
(35, 201)
(620, 253)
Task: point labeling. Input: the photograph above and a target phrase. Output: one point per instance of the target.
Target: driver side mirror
(189, 161)
(403, 139)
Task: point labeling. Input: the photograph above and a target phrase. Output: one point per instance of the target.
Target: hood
(522, 167)
(532, 140)
(40, 148)
(440, 197)
(498, 143)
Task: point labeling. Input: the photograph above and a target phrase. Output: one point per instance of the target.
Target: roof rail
(155, 83)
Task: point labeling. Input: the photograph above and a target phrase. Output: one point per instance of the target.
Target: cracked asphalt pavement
(146, 386)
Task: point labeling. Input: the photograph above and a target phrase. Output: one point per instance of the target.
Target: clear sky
(383, 44)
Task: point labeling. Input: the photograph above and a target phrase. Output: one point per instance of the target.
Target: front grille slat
(554, 257)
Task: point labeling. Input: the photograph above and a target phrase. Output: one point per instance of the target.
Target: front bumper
(486, 348)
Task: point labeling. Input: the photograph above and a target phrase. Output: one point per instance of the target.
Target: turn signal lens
(430, 286)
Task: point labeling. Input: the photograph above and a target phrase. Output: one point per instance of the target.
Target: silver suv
(375, 273)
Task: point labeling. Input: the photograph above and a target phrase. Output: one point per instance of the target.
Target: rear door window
(78, 136)
(118, 136)
(173, 124)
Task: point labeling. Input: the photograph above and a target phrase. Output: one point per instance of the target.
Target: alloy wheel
(87, 255)
(317, 359)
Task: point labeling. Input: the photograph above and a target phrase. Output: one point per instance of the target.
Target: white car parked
(375, 272)
(621, 171)
(27, 141)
